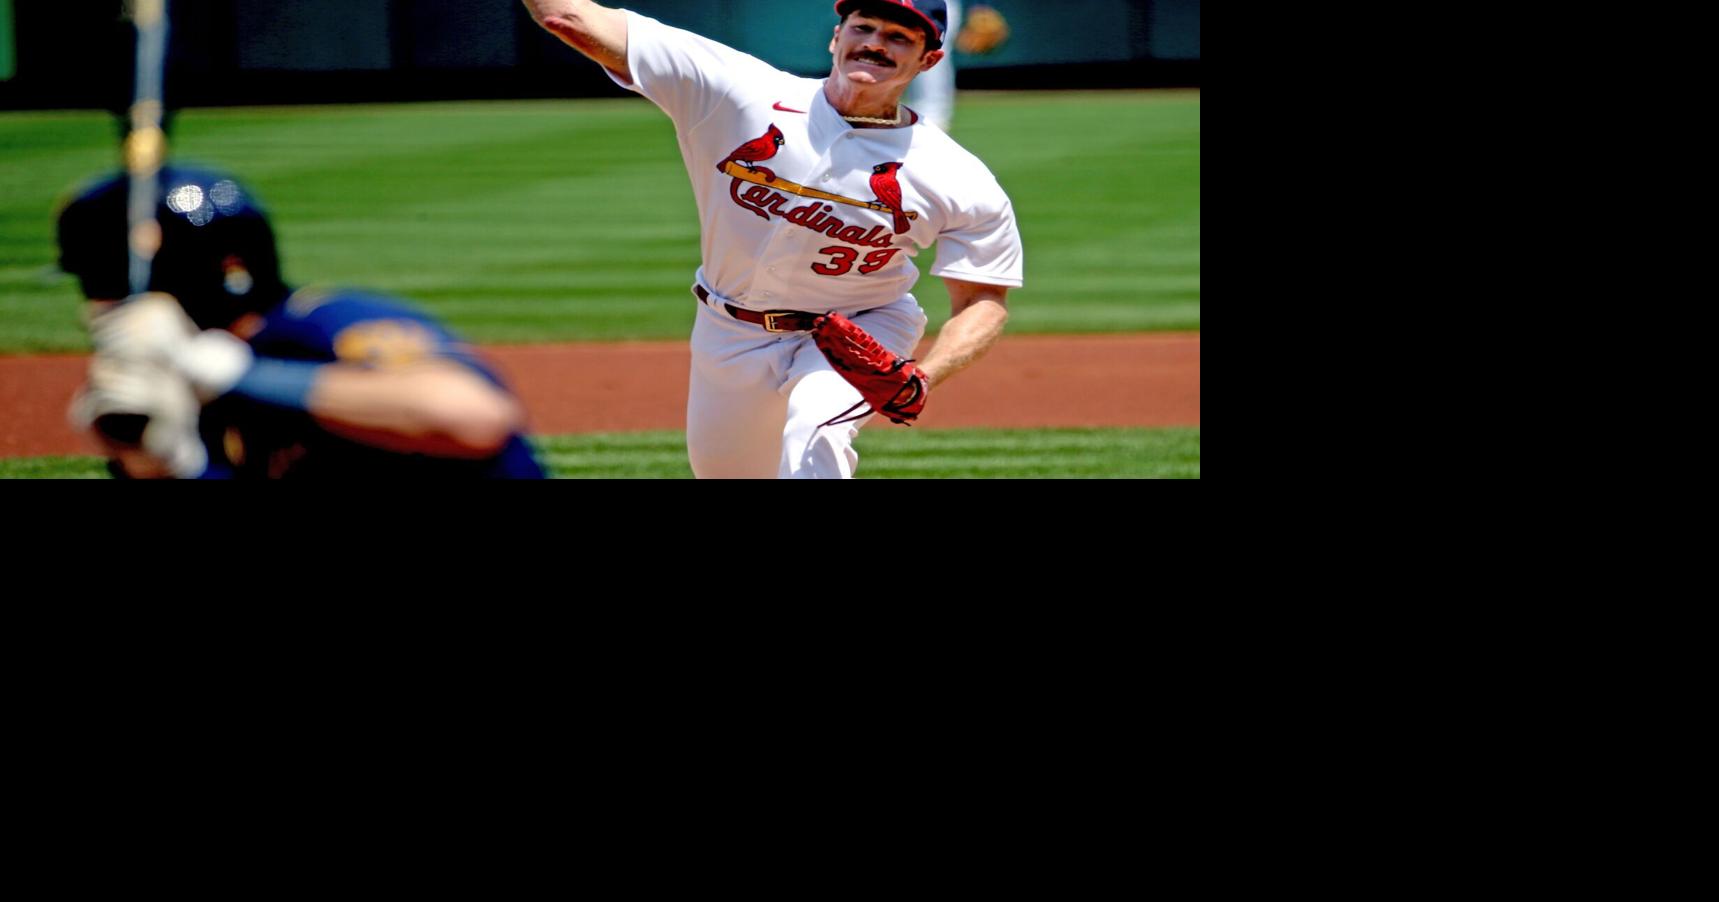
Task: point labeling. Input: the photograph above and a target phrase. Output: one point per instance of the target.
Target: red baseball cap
(933, 14)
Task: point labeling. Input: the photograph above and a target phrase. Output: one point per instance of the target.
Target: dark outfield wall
(6, 55)
(75, 53)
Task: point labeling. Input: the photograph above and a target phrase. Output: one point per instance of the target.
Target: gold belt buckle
(770, 322)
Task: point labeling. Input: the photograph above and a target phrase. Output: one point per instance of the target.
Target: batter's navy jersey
(247, 439)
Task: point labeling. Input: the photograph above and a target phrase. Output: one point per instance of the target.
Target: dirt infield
(1025, 382)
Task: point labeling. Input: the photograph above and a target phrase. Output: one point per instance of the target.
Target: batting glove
(153, 328)
(118, 387)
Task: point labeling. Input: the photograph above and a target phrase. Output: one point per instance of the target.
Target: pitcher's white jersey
(797, 207)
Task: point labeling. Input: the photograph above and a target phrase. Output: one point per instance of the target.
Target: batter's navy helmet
(217, 251)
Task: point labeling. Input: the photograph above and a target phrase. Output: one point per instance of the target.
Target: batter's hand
(145, 415)
(152, 328)
(148, 326)
(890, 385)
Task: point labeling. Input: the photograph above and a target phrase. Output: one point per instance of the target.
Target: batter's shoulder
(318, 321)
(336, 306)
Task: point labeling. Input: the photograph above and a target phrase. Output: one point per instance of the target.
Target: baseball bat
(144, 151)
(146, 144)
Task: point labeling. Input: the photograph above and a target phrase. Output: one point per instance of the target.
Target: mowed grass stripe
(582, 209)
(885, 453)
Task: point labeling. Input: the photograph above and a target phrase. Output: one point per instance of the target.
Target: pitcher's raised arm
(596, 31)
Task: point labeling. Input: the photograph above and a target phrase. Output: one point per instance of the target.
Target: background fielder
(797, 183)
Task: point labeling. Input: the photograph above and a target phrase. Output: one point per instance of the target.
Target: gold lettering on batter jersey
(384, 343)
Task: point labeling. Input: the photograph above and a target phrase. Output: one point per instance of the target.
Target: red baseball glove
(890, 385)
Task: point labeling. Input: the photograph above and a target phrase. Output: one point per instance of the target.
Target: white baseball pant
(757, 399)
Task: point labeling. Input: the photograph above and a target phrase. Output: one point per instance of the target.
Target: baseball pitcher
(814, 196)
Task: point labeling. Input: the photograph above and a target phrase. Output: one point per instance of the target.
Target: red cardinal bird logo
(888, 191)
(756, 150)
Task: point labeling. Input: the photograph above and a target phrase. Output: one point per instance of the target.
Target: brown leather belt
(771, 320)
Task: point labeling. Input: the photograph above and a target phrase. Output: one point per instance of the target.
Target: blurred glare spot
(201, 216)
(185, 198)
(239, 281)
(226, 196)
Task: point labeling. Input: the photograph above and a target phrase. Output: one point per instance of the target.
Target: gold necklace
(900, 116)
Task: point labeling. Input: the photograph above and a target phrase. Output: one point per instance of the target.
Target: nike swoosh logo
(779, 106)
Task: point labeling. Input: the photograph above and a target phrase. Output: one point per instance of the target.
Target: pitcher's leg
(733, 434)
(816, 393)
(734, 409)
(809, 449)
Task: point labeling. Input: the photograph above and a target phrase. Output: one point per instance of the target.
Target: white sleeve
(984, 246)
(687, 75)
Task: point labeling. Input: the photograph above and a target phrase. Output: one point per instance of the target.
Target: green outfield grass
(884, 454)
(573, 220)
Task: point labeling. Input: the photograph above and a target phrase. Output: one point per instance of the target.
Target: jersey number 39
(842, 259)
